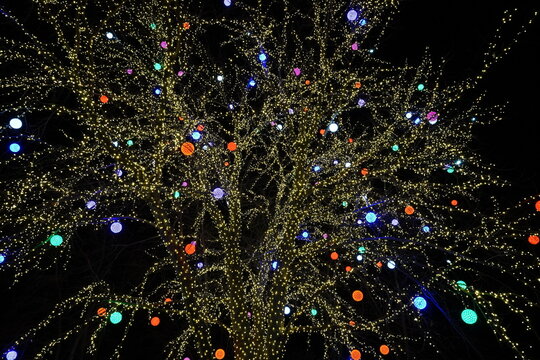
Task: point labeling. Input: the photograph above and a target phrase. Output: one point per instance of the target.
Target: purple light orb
(395, 222)
(180, 73)
(325, 236)
(291, 111)
(163, 44)
(297, 71)
(91, 205)
(354, 46)
(200, 265)
(361, 102)
(116, 227)
(119, 172)
(185, 184)
(218, 193)
(352, 15)
(432, 117)
(129, 71)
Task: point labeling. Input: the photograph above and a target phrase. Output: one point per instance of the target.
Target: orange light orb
(351, 140)
(155, 321)
(409, 210)
(322, 131)
(308, 82)
(231, 146)
(334, 255)
(357, 295)
(104, 99)
(348, 268)
(200, 127)
(220, 354)
(352, 323)
(534, 239)
(454, 202)
(357, 85)
(190, 249)
(186, 25)
(538, 205)
(187, 148)
(167, 300)
(385, 350)
(379, 264)
(102, 311)
(364, 171)
(226, 163)
(356, 355)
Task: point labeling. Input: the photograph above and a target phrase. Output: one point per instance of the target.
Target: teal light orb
(130, 143)
(421, 87)
(462, 284)
(176, 194)
(153, 26)
(469, 316)
(56, 240)
(115, 317)
(314, 312)
(157, 66)
(395, 147)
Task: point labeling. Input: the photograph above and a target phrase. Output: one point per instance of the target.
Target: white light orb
(15, 123)
(333, 127)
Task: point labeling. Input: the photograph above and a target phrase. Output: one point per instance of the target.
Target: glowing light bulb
(15, 123)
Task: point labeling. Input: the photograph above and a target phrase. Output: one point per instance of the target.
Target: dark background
(457, 30)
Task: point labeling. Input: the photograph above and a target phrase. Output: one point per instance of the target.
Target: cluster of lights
(312, 195)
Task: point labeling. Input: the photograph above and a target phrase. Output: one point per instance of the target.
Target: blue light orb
(196, 135)
(352, 15)
(2, 258)
(56, 240)
(252, 83)
(363, 22)
(157, 91)
(90, 204)
(305, 234)
(316, 168)
(11, 355)
(371, 217)
(286, 310)
(115, 317)
(426, 229)
(14, 148)
(116, 227)
(227, 3)
(417, 121)
(420, 303)
(395, 222)
(262, 57)
(15, 123)
(275, 265)
(218, 193)
(200, 265)
(469, 316)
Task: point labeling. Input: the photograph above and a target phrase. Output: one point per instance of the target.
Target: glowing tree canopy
(297, 183)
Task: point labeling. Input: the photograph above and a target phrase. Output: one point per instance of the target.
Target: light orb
(15, 123)
(116, 227)
(469, 316)
(371, 217)
(420, 303)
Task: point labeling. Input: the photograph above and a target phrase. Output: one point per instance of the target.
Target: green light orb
(395, 147)
(176, 194)
(450, 170)
(314, 312)
(115, 317)
(421, 87)
(469, 316)
(56, 240)
(361, 250)
(153, 26)
(157, 66)
(344, 204)
(462, 284)
(130, 143)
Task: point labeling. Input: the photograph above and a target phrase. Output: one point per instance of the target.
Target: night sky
(458, 30)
